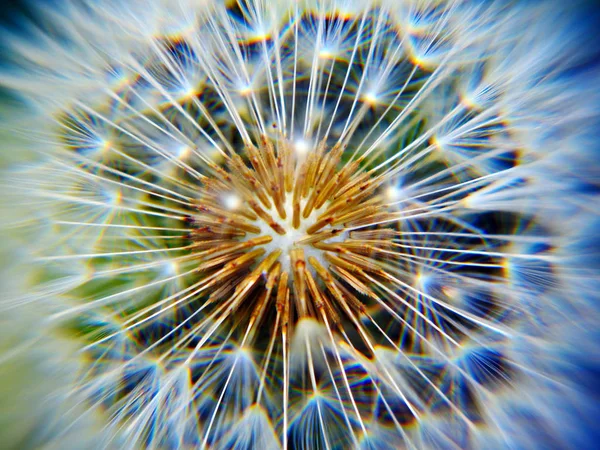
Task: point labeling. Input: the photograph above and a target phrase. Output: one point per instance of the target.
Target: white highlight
(393, 193)
(302, 147)
(232, 202)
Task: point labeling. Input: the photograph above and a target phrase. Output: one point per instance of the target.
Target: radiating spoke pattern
(297, 224)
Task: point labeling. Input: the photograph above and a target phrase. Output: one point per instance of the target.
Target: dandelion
(333, 224)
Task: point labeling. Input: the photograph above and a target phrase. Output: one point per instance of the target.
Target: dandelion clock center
(281, 217)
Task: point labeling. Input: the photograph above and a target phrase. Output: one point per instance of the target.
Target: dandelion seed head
(334, 224)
